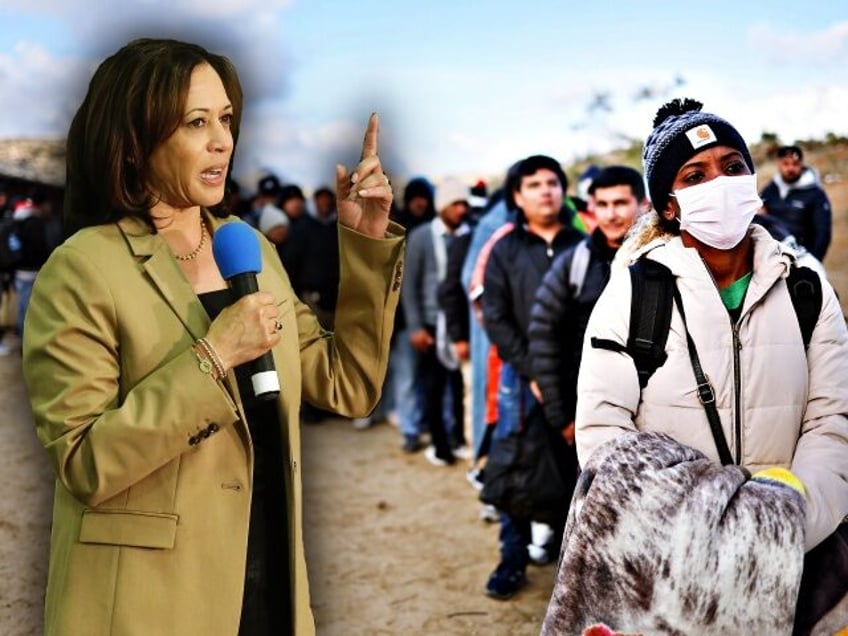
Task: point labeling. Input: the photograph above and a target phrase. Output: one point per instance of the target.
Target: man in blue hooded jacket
(795, 197)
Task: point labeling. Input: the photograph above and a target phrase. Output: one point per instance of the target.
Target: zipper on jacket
(737, 380)
(737, 392)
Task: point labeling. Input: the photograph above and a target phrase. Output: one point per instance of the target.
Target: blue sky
(462, 88)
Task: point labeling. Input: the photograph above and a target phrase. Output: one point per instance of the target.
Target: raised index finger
(369, 144)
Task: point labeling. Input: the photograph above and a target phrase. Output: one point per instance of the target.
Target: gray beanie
(680, 132)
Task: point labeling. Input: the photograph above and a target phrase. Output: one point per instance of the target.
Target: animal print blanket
(660, 540)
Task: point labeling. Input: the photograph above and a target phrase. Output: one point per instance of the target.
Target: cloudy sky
(463, 88)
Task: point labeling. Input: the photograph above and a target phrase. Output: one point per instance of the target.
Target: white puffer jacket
(778, 406)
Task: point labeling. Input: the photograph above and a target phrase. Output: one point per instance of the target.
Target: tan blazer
(152, 456)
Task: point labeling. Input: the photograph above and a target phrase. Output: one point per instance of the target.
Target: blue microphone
(235, 247)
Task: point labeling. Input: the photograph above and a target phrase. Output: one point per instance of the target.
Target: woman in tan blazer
(178, 505)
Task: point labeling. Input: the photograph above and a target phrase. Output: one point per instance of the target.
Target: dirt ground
(394, 545)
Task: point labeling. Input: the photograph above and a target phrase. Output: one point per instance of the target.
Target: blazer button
(204, 433)
(235, 484)
(193, 440)
(212, 428)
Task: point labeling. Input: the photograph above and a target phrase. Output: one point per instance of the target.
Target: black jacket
(452, 298)
(514, 270)
(804, 209)
(558, 323)
(36, 246)
(312, 260)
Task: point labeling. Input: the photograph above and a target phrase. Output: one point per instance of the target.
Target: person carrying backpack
(734, 370)
(514, 268)
(571, 287)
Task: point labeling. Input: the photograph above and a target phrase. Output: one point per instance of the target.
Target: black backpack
(650, 312)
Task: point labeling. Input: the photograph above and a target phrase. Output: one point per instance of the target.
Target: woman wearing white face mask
(780, 406)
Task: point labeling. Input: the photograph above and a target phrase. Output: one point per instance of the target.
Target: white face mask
(718, 212)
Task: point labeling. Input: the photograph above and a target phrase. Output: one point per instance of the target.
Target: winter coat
(779, 405)
(313, 261)
(32, 232)
(425, 269)
(514, 271)
(558, 322)
(803, 207)
(152, 455)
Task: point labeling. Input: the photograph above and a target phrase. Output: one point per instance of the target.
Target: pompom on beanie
(682, 130)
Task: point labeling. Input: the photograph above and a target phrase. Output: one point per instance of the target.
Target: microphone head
(235, 247)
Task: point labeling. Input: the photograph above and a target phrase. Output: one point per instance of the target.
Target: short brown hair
(134, 102)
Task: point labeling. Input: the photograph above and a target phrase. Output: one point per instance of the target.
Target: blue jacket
(803, 207)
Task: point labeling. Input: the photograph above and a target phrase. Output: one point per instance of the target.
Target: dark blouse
(266, 605)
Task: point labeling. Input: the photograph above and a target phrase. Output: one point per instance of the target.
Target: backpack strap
(706, 393)
(650, 318)
(805, 290)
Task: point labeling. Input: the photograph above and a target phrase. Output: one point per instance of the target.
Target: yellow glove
(781, 476)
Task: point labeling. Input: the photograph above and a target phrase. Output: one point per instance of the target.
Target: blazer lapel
(164, 273)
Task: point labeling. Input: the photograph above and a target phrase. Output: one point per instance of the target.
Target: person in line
(566, 297)
(292, 202)
(293, 205)
(781, 407)
(418, 204)
(485, 365)
(178, 500)
(426, 265)
(401, 393)
(561, 310)
(264, 213)
(514, 269)
(314, 267)
(313, 270)
(494, 221)
(796, 198)
(38, 232)
(583, 202)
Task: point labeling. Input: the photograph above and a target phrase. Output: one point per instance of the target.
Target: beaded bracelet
(203, 362)
(212, 355)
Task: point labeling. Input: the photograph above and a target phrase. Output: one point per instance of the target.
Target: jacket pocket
(129, 528)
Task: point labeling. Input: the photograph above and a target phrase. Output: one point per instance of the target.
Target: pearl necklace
(193, 254)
